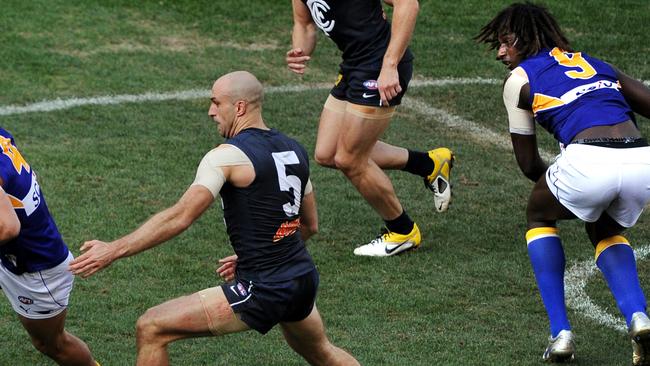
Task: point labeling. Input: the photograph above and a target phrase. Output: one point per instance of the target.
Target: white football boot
(639, 332)
(561, 348)
(389, 243)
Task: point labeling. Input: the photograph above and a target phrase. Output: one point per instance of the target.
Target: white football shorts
(589, 179)
(38, 295)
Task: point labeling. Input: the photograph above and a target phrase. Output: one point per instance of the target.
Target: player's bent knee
(147, 327)
(346, 163)
(51, 347)
(40, 345)
(324, 160)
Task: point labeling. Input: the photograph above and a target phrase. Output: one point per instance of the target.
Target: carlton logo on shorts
(25, 300)
(371, 84)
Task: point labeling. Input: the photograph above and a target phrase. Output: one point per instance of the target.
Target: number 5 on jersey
(288, 182)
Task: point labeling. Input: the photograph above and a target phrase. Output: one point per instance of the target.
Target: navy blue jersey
(39, 245)
(263, 219)
(570, 92)
(357, 27)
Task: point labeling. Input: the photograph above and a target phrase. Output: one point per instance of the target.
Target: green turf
(467, 297)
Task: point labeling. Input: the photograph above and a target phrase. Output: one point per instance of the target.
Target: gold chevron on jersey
(543, 102)
(32, 199)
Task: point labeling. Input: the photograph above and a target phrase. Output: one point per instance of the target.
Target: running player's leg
(201, 314)
(355, 144)
(385, 155)
(307, 337)
(329, 128)
(353, 159)
(50, 338)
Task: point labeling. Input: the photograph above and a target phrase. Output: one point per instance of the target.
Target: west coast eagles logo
(318, 8)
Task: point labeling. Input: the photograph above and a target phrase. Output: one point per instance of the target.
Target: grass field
(467, 297)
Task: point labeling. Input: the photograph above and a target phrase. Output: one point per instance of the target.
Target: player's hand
(297, 60)
(228, 267)
(95, 256)
(388, 85)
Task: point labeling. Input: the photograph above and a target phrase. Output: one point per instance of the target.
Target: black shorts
(263, 305)
(360, 86)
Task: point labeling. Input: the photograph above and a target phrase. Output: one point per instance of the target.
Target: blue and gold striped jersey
(39, 245)
(570, 92)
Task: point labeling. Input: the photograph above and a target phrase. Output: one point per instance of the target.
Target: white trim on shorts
(589, 180)
(39, 295)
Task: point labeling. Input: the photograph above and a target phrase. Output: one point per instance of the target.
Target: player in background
(373, 77)
(269, 209)
(602, 175)
(34, 270)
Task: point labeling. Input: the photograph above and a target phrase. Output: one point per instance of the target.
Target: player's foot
(439, 180)
(389, 243)
(562, 348)
(640, 335)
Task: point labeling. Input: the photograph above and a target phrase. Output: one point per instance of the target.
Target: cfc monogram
(318, 8)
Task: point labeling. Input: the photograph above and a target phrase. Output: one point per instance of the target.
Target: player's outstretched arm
(9, 223)
(303, 38)
(403, 23)
(163, 226)
(636, 94)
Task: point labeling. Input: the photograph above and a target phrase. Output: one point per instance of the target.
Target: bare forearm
(158, 229)
(304, 37)
(403, 24)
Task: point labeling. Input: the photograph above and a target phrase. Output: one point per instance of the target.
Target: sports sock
(615, 258)
(402, 224)
(547, 258)
(419, 163)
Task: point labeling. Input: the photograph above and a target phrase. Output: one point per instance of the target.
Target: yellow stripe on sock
(608, 242)
(540, 232)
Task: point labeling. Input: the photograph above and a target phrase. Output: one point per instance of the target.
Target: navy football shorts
(263, 305)
(360, 86)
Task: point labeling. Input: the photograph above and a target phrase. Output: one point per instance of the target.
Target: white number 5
(288, 181)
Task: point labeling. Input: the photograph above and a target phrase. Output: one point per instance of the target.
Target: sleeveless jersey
(357, 27)
(39, 245)
(262, 220)
(570, 92)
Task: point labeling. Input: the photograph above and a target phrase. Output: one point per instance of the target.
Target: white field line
(575, 281)
(59, 104)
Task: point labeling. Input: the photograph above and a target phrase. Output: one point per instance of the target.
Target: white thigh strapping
(589, 179)
(38, 295)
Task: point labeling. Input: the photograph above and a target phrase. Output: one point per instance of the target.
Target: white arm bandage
(209, 173)
(520, 120)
